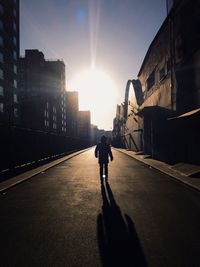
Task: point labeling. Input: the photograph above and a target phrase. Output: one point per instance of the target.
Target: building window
(14, 26)
(1, 91)
(1, 57)
(15, 83)
(14, 55)
(15, 98)
(1, 108)
(15, 112)
(15, 69)
(15, 40)
(1, 74)
(54, 118)
(46, 123)
(1, 41)
(151, 80)
(14, 12)
(1, 25)
(54, 110)
(46, 113)
(1, 9)
(167, 66)
(162, 73)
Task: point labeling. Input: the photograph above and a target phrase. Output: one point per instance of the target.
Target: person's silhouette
(103, 152)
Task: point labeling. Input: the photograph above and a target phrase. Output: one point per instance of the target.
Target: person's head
(103, 139)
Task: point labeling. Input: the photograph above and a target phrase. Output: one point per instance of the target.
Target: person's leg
(106, 170)
(101, 170)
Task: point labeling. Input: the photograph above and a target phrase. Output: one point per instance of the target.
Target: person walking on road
(103, 152)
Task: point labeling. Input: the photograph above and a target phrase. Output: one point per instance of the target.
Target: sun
(97, 93)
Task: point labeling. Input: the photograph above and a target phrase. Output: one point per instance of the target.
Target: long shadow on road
(117, 238)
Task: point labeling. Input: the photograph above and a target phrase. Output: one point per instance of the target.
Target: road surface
(65, 217)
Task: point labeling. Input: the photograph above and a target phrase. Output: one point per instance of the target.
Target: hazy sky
(112, 34)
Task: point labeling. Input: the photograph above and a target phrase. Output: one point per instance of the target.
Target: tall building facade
(9, 54)
(72, 108)
(84, 125)
(42, 93)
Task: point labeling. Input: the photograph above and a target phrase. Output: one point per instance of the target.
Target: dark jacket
(103, 151)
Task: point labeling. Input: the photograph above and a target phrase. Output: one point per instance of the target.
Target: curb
(14, 181)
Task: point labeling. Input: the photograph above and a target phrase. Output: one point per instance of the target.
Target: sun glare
(97, 93)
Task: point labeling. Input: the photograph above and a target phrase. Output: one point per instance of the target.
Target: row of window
(1, 74)
(15, 111)
(1, 107)
(63, 123)
(63, 109)
(157, 75)
(1, 91)
(63, 116)
(46, 114)
(2, 77)
(1, 9)
(14, 10)
(15, 98)
(54, 110)
(14, 26)
(63, 103)
(46, 124)
(1, 57)
(14, 56)
(2, 61)
(54, 121)
(54, 118)
(14, 42)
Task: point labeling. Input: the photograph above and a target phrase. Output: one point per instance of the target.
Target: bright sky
(102, 42)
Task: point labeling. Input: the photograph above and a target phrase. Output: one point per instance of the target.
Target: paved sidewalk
(11, 182)
(181, 172)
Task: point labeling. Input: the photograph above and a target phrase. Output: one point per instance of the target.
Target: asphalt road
(65, 217)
